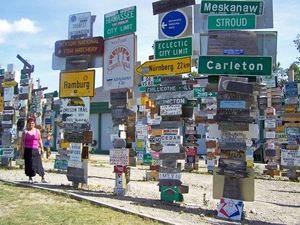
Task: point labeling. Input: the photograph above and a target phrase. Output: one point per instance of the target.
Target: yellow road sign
(164, 67)
(9, 84)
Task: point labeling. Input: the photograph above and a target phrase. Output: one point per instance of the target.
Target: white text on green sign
(232, 7)
(154, 89)
(236, 65)
(199, 92)
(120, 22)
(172, 48)
(164, 67)
(231, 22)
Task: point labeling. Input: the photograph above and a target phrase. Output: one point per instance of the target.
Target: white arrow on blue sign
(174, 24)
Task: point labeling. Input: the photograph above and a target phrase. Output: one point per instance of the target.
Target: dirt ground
(277, 200)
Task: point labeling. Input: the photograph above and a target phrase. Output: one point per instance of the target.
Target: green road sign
(235, 65)
(184, 87)
(199, 92)
(51, 94)
(173, 48)
(147, 159)
(232, 7)
(120, 22)
(231, 22)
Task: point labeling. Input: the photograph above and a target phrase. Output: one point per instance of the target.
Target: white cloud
(25, 26)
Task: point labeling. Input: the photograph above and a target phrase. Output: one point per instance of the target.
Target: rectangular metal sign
(77, 84)
(164, 67)
(231, 22)
(173, 88)
(173, 48)
(232, 7)
(80, 25)
(235, 65)
(75, 110)
(120, 22)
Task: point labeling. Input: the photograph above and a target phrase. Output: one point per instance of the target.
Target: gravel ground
(276, 201)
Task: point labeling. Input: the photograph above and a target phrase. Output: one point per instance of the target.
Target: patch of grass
(25, 205)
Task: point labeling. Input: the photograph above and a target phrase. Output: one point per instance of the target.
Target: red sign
(191, 151)
(85, 46)
(119, 169)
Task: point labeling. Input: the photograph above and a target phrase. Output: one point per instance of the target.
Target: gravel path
(276, 202)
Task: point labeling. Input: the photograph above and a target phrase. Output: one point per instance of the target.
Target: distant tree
(295, 66)
(282, 74)
(297, 44)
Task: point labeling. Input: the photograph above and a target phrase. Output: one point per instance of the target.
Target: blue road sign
(26, 63)
(174, 23)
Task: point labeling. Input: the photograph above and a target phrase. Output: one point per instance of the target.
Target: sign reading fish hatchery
(120, 22)
(79, 46)
(232, 7)
(80, 25)
(76, 110)
(164, 67)
(77, 84)
(119, 62)
(237, 65)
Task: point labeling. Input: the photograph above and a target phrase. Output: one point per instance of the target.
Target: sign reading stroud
(77, 84)
(232, 7)
(80, 25)
(119, 62)
(75, 110)
(120, 22)
(236, 65)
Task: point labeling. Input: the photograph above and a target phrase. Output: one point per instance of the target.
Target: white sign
(172, 176)
(8, 94)
(80, 25)
(75, 164)
(170, 110)
(171, 139)
(290, 157)
(6, 151)
(75, 110)
(75, 152)
(232, 137)
(119, 156)
(119, 62)
(171, 149)
(270, 134)
(270, 123)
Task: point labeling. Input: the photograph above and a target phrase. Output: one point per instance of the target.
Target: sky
(31, 28)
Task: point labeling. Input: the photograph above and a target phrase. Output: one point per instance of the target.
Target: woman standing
(31, 141)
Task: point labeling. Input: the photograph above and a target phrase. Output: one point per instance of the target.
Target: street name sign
(236, 65)
(232, 7)
(155, 89)
(173, 48)
(173, 24)
(231, 22)
(165, 67)
(120, 22)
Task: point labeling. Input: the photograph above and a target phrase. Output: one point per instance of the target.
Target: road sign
(232, 7)
(231, 22)
(25, 63)
(199, 92)
(9, 84)
(120, 22)
(174, 23)
(173, 48)
(164, 67)
(80, 25)
(154, 89)
(236, 65)
(150, 81)
(79, 46)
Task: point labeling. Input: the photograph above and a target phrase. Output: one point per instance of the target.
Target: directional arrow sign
(173, 24)
(164, 67)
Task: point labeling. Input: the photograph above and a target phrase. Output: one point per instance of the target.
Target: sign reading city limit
(77, 84)
(236, 65)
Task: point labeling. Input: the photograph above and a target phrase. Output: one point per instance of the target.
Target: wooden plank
(121, 113)
(169, 170)
(233, 119)
(163, 6)
(240, 87)
(169, 183)
(169, 124)
(76, 175)
(233, 96)
(172, 156)
(76, 127)
(75, 137)
(232, 146)
(233, 126)
(183, 189)
(119, 143)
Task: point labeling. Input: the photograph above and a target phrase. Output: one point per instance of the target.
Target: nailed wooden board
(76, 175)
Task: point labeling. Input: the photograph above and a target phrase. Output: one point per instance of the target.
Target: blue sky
(30, 29)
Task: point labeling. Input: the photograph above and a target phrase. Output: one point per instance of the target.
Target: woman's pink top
(31, 141)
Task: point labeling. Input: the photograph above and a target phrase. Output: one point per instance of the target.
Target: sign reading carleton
(77, 84)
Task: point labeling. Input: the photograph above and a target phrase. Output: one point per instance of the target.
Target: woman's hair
(30, 120)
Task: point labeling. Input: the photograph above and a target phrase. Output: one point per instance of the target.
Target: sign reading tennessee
(77, 84)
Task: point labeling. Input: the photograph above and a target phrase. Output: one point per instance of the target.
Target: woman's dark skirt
(33, 162)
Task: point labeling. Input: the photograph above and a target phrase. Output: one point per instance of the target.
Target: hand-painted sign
(164, 67)
(75, 110)
(75, 152)
(119, 156)
(170, 110)
(120, 22)
(77, 84)
(119, 61)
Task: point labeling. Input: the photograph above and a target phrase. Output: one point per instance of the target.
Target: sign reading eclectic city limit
(120, 22)
(173, 48)
(231, 22)
(164, 67)
(236, 65)
(232, 7)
